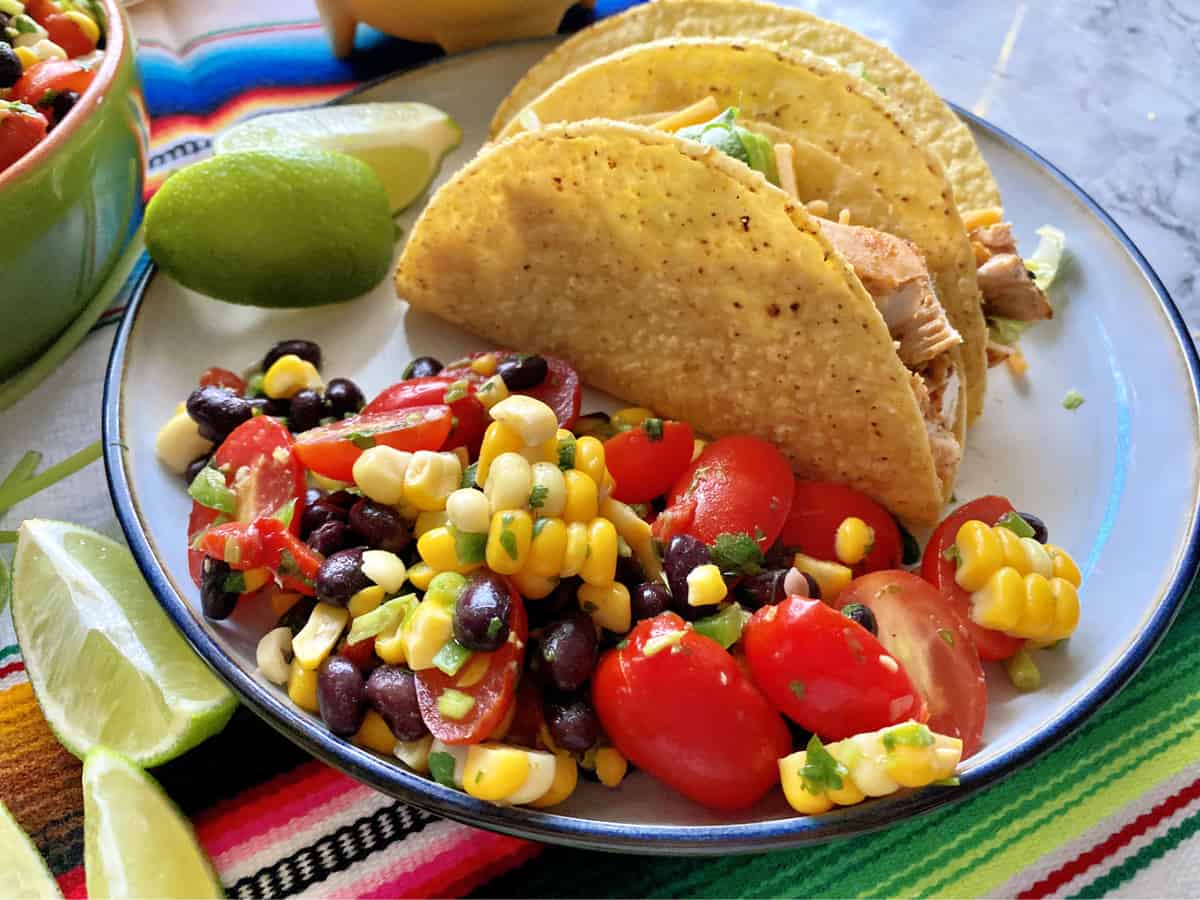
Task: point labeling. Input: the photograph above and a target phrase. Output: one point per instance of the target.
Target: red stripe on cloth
(12, 668)
(517, 855)
(1114, 842)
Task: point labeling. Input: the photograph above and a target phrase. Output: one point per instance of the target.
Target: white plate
(1115, 479)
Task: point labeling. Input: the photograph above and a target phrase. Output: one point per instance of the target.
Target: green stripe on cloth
(1120, 874)
(10, 650)
(1144, 737)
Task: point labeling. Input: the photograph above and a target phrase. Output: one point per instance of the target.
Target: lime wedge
(107, 665)
(136, 843)
(403, 142)
(25, 873)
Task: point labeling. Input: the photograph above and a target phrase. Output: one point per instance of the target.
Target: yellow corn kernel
(853, 540)
(1066, 607)
(577, 549)
(494, 772)
(830, 577)
(379, 474)
(545, 452)
(439, 550)
(509, 482)
(320, 634)
(1001, 602)
(255, 579)
(911, 766)
(474, 671)
(1017, 363)
(548, 547)
(86, 24)
(467, 510)
(548, 495)
(289, 375)
(499, 438)
(849, 793)
(365, 601)
(608, 605)
(1037, 558)
(27, 57)
(607, 486)
(982, 218)
(529, 417)
(635, 531)
(1038, 620)
(282, 601)
(600, 562)
(1064, 565)
(589, 458)
(374, 734)
(428, 628)
(485, 364)
(1023, 671)
(429, 520)
(582, 502)
(491, 392)
(535, 587)
(706, 586)
(980, 554)
(389, 644)
(630, 417)
(509, 539)
(697, 448)
(610, 766)
(1011, 550)
(420, 575)
(179, 442)
(385, 569)
(796, 792)
(430, 478)
(302, 687)
(566, 777)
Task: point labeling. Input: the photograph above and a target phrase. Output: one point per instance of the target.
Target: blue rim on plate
(391, 778)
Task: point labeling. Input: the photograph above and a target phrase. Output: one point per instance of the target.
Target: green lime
(280, 228)
(403, 142)
(136, 843)
(107, 665)
(25, 873)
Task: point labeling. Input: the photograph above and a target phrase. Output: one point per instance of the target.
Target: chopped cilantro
(737, 553)
(479, 776)
(537, 496)
(653, 428)
(1073, 399)
(622, 643)
(566, 452)
(468, 478)
(456, 391)
(952, 554)
(911, 734)
(441, 767)
(469, 548)
(508, 541)
(588, 606)
(952, 781)
(494, 626)
(235, 583)
(797, 689)
(946, 635)
(821, 771)
(1018, 526)
(361, 440)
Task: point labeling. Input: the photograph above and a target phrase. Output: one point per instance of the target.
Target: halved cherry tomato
(470, 418)
(924, 630)
(493, 694)
(332, 449)
(218, 377)
(64, 31)
(819, 507)
(646, 463)
(38, 10)
(21, 129)
(560, 391)
(273, 478)
(677, 705)
(827, 672)
(939, 572)
(266, 543)
(361, 654)
(55, 75)
(739, 484)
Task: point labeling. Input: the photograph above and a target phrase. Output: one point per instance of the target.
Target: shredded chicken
(1008, 289)
(936, 389)
(946, 451)
(894, 274)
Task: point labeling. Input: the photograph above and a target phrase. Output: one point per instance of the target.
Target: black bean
(780, 556)
(10, 65)
(341, 577)
(569, 649)
(343, 398)
(573, 724)
(520, 373)
(306, 350)
(649, 599)
(313, 495)
(215, 600)
(320, 513)
(63, 104)
(305, 411)
(684, 553)
(297, 615)
(629, 572)
(276, 407)
(814, 586)
(195, 467)
(341, 695)
(332, 537)
(481, 613)
(381, 526)
(558, 604)
(862, 615)
(1040, 533)
(422, 367)
(392, 692)
(763, 589)
(218, 411)
(344, 499)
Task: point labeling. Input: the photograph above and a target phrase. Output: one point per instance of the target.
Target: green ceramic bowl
(68, 207)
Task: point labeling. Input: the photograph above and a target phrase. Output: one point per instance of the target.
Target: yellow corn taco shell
(936, 125)
(676, 277)
(806, 96)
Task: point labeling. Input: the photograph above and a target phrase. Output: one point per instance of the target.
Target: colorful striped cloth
(1114, 810)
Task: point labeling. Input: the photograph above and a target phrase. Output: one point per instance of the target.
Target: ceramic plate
(1116, 480)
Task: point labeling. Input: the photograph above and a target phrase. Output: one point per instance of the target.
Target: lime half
(136, 843)
(403, 142)
(25, 873)
(107, 665)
